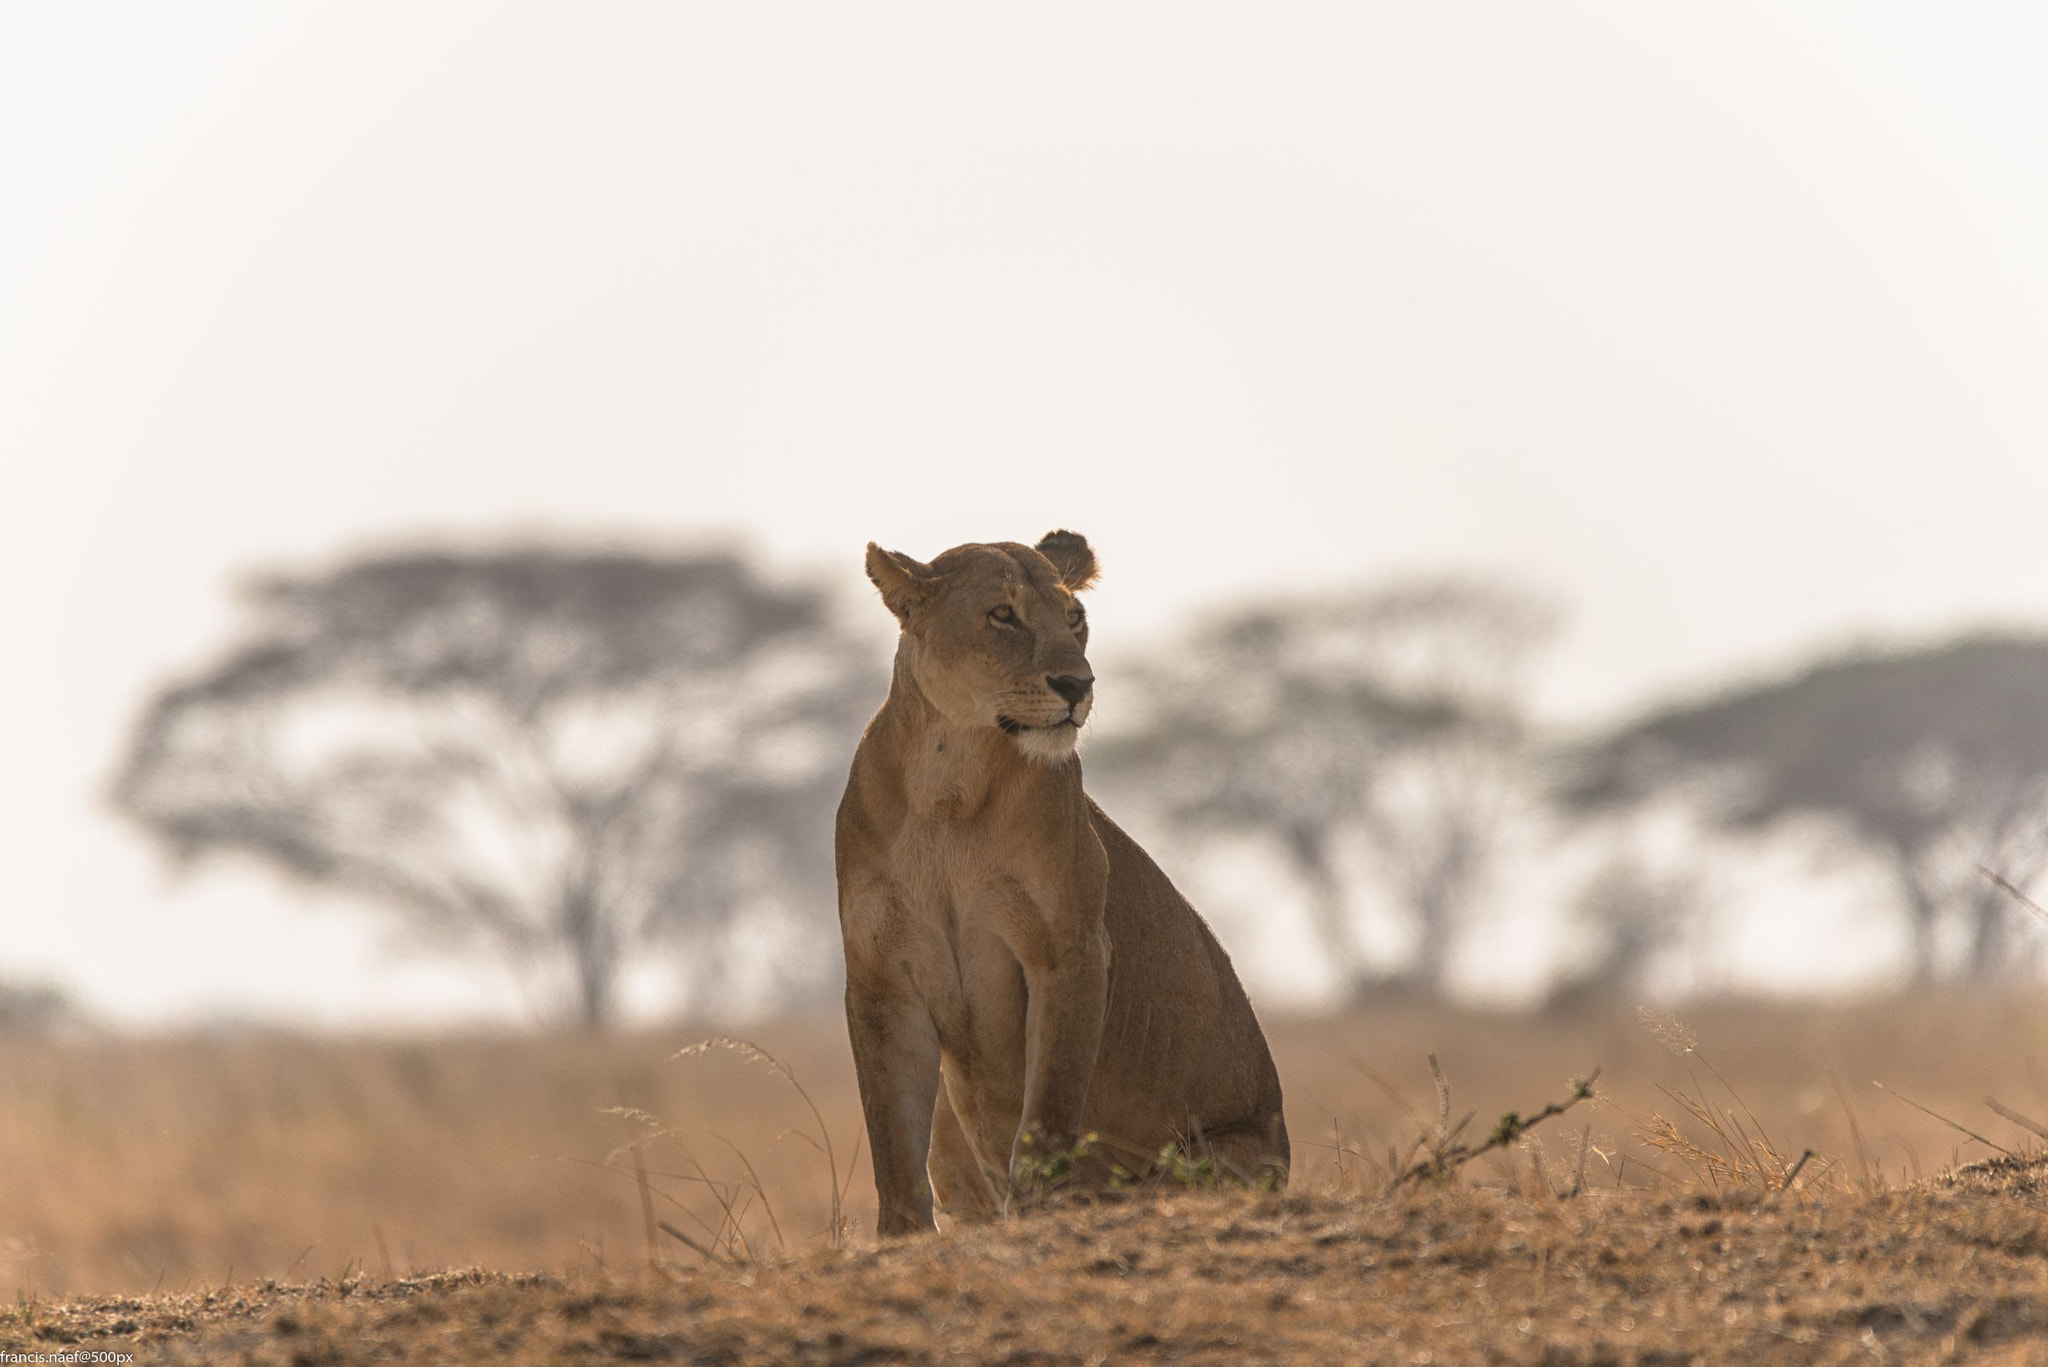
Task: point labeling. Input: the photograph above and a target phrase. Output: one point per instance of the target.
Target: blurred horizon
(1802, 894)
(1724, 332)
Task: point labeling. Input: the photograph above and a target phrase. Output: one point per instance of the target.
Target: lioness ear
(1070, 555)
(905, 583)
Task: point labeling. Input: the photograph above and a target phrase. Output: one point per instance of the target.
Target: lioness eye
(1003, 614)
(1074, 618)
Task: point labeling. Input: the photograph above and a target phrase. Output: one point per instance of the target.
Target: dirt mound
(2017, 1175)
(1951, 1269)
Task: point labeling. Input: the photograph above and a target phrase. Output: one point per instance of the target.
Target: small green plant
(1176, 1164)
(1443, 1153)
(1049, 1170)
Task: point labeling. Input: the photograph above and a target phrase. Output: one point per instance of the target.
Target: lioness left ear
(905, 584)
(1070, 555)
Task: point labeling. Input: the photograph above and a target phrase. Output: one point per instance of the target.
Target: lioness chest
(960, 907)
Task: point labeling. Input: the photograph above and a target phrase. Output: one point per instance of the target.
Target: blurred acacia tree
(1391, 720)
(566, 758)
(1626, 913)
(1933, 761)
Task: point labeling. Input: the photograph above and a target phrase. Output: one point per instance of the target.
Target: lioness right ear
(1071, 556)
(905, 584)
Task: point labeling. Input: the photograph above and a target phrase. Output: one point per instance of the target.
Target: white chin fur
(1048, 745)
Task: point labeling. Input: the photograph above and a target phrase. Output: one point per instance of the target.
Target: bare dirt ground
(1951, 1270)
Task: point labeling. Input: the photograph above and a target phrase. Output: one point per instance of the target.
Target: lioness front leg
(1063, 1034)
(896, 1061)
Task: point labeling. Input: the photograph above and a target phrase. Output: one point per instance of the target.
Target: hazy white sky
(1729, 324)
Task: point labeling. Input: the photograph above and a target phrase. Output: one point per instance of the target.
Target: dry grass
(188, 1163)
(196, 1166)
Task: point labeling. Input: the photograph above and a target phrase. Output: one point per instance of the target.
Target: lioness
(1003, 935)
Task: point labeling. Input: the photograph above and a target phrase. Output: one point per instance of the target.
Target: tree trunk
(1433, 944)
(1998, 950)
(1922, 917)
(593, 992)
(591, 943)
(1440, 885)
(1329, 910)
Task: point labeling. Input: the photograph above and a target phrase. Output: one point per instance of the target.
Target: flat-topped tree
(563, 757)
(1933, 760)
(1387, 721)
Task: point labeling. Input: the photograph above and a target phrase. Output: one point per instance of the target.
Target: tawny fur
(1019, 973)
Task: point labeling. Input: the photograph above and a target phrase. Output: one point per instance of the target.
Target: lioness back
(1199, 1041)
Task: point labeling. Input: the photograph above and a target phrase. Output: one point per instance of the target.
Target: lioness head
(995, 637)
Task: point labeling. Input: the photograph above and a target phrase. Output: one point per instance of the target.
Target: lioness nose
(1072, 687)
